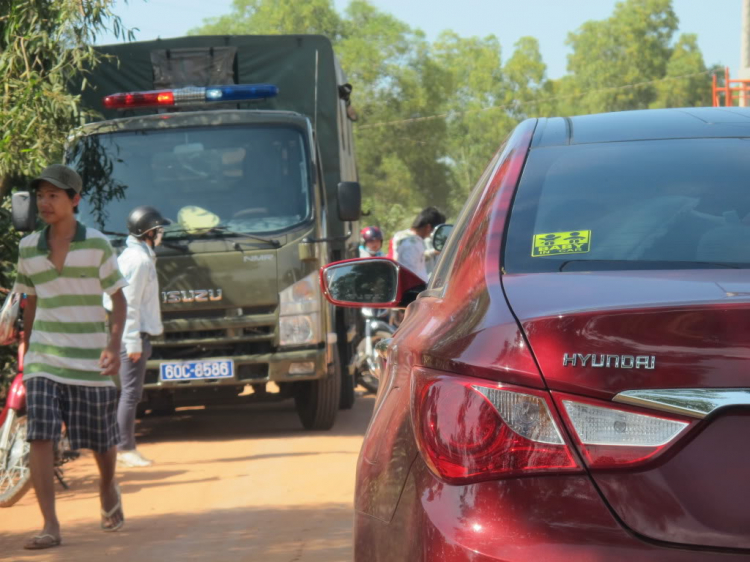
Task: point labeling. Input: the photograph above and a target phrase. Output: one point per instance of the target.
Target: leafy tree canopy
(432, 114)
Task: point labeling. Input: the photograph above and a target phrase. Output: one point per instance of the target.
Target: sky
(717, 22)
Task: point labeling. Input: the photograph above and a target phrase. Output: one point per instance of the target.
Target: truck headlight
(299, 312)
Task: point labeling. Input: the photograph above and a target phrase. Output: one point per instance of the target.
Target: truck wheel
(317, 402)
(348, 382)
(347, 387)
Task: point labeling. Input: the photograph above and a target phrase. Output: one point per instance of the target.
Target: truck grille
(221, 332)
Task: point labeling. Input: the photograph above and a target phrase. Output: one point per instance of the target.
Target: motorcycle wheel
(365, 378)
(15, 476)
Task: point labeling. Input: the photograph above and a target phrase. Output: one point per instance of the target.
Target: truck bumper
(283, 366)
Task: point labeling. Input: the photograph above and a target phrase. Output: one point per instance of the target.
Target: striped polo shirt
(69, 331)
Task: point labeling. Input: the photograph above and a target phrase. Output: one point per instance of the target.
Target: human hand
(110, 362)
(135, 357)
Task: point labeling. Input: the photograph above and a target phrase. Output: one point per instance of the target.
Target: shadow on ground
(236, 535)
(255, 421)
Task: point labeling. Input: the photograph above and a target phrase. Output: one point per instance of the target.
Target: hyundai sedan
(574, 381)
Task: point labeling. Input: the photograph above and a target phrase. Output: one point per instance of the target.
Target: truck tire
(347, 391)
(317, 402)
(348, 382)
(345, 349)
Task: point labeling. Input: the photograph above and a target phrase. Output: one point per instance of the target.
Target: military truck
(245, 143)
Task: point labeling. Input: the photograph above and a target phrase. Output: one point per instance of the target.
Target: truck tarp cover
(288, 61)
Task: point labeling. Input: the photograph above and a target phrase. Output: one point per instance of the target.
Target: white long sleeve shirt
(409, 251)
(138, 265)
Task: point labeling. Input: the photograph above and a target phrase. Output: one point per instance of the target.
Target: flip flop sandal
(106, 515)
(40, 542)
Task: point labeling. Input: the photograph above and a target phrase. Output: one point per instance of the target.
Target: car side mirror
(23, 211)
(350, 200)
(370, 282)
(440, 236)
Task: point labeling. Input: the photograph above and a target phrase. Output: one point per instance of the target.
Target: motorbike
(15, 475)
(365, 361)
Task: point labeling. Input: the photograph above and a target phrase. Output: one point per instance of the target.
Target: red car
(574, 381)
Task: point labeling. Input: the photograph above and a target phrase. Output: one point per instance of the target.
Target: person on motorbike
(372, 242)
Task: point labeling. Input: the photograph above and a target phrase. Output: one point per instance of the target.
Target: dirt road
(236, 485)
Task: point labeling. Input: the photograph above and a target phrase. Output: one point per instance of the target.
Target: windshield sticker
(557, 243)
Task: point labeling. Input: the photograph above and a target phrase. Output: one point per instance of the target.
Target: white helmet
(8, 318)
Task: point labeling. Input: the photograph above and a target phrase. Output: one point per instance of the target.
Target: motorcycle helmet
(8, 318)
(144, 219)
(371, 233)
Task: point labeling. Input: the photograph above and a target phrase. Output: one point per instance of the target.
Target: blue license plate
(196, 370)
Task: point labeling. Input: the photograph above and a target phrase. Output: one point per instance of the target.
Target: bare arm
(110, 359)
(29, 313)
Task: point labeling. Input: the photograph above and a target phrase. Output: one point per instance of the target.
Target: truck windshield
(245, 179)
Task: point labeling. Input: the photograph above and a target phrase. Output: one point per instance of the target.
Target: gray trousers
(132, 376)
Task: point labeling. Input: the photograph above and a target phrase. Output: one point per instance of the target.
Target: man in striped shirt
(68, 368)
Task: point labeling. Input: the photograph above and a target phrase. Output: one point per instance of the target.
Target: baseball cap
(60, 176)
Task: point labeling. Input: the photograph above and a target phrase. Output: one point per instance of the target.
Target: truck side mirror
(440, 236)
(350, 201)
(23, 211)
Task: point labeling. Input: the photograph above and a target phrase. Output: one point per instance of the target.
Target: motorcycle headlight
(299, 311)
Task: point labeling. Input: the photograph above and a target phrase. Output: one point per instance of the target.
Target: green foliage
(432, 114)
(42, 44)
(686, 59)
(631, 46)
(258, 17)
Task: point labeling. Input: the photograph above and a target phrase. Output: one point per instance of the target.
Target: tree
(631, 46)
(43, 43)
(686, 60)
(251, 17)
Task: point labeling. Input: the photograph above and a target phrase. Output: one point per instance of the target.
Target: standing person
(372, 242)
(138, 265)
(407, 246)
(64, 270)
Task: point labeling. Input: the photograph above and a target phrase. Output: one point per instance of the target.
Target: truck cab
(261, 195)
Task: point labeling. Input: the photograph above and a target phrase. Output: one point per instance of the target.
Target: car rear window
(670, 204)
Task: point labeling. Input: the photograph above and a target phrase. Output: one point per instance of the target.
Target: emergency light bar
(190, 96)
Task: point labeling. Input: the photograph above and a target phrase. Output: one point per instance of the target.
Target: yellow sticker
(556, 243)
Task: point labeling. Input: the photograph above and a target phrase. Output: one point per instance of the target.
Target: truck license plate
(196, 370)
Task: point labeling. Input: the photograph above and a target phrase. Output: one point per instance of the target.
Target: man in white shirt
(138, 264)
(407, 246)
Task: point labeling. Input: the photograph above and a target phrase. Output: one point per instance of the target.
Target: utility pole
(745, 53)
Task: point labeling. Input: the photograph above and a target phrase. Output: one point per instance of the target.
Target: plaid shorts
(89, 413)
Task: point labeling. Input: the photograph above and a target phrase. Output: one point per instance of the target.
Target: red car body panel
(545, 519)
(699, 332)
(696, 327)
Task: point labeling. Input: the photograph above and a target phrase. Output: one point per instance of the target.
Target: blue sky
(716, 22)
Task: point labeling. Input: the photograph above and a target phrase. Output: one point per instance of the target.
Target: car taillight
(470, 429)
(612, 436)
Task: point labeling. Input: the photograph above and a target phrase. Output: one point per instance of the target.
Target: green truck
(261, 192)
